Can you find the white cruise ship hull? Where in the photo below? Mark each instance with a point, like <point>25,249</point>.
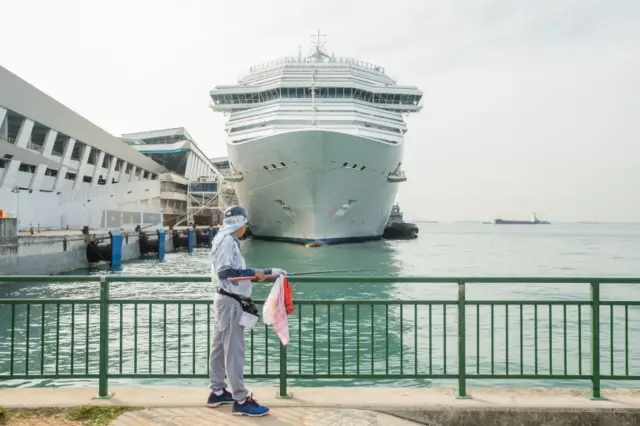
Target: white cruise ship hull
<point>313,197</point>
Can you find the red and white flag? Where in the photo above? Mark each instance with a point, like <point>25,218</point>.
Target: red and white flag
<point>276,308</point>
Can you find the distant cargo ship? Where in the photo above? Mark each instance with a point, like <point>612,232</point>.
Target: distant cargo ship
<point>533,221</point>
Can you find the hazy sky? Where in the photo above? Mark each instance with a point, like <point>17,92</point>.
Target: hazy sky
<point>530,105</point>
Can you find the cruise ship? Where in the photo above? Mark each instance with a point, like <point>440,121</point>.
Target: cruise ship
<point>315,146</point>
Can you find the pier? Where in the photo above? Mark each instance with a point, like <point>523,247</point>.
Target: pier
<point>395,351</point>
<point>50,252</point>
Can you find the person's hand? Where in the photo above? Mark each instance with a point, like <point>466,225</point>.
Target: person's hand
<point>278,271</point>
<point>260,275</point>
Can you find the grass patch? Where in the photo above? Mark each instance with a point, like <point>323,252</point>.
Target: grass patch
<point>90,415</point>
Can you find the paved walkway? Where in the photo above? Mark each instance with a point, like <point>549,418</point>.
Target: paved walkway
<point>348,406</point>
<point>278,416</point>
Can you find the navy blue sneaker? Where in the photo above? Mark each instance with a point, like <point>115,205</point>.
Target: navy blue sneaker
<point>250,408</point>
<point>216,401</point>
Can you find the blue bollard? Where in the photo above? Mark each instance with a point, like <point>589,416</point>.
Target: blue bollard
<point>190,240</point>
<point>162,244</point>
<point>116,249</point>
<point>210,243</point>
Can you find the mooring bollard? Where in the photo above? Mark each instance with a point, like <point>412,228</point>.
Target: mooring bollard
<point>162,244</point>
<point>210,241</point>
<point>190,240</point>
<point>116,249</point>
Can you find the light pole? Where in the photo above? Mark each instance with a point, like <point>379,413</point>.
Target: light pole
<point>16,190</point>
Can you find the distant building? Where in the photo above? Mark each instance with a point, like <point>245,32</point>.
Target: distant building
<point>191,188</point>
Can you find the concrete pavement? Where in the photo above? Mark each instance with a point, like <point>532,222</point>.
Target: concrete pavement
<point>353,406</point>
<point>279,416</point>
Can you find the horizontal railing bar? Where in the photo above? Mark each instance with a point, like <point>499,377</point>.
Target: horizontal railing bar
<point>296,302</point>
<point>49,279</point>
<point>326,376</point>
<point>616,377</point>
<point>186,376</point>
<point>49,302</point>
<point>529,376</point>
<point>319,302</point>
<point>527,302</point>
<point>381,376</point>
<point>115,278</point>
<point>47,376</point>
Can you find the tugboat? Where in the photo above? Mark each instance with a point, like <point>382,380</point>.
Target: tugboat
<point>397,228</point>
<point>534,221</point>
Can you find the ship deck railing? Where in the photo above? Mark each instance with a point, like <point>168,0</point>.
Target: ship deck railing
<point>548,339</point>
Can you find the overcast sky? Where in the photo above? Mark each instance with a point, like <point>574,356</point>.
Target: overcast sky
<point>530,105</point>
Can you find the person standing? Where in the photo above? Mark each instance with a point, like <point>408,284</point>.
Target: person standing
<point>228,346</point>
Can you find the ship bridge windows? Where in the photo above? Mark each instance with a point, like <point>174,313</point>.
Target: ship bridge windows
<point>378,99</point>
<point>366,124</point>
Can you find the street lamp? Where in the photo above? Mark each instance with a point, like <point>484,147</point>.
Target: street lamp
<point>16,190</point>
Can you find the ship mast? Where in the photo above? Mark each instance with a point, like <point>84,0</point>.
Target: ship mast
<point>313,98</point>
<point>318,56</point>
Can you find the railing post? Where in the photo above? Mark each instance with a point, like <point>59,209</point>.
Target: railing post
<point>103,369</point>
<point>595,341</point>
<point>283,374</point>
<point>462,342</point>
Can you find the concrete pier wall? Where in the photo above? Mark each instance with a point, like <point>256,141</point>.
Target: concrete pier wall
<point>58,252</point>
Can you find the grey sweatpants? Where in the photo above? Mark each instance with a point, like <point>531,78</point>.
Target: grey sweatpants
<point>227,349</point>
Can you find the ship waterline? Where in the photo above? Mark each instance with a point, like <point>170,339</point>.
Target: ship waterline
<point>316,185</point>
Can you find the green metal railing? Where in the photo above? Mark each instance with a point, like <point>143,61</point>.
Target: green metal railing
<point>457,338</point>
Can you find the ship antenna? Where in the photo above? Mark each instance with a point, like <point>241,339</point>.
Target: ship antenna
<point>318,44</point>
<point>319,52</point>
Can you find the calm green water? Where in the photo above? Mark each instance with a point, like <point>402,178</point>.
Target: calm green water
<point>441,250</point>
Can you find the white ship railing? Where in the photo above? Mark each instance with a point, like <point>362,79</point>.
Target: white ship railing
<point>311,61</point>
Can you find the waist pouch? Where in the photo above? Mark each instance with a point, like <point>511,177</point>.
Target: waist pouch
<point>246,303</point>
